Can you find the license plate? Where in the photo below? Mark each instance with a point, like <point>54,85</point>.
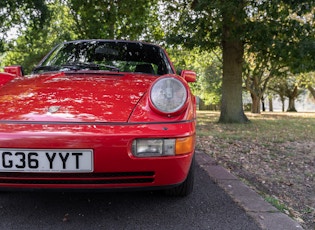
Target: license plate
<point>46,160</point>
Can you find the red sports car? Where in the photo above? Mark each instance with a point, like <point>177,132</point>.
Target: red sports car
<point>98,114</point>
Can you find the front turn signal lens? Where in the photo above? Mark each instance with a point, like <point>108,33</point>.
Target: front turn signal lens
<point>184,145</point>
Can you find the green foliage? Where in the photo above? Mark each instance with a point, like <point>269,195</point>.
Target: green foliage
<point>276,203</point>
<point>33,44</point>
<point>276,33</point>
<point>290,86</point>
<point>208,67</point>
<point>211,80</point>
<point>73,19</point>
<point>1,46</point>
<point>22,13</point>
<point>125,19</point>
<point>282,30</point>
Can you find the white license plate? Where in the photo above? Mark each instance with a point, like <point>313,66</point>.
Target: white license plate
<point>46,160</point>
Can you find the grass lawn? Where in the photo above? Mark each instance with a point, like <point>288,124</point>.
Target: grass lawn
<point>270,127</point>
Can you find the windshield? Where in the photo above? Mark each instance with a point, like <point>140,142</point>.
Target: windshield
<point>120,56</point>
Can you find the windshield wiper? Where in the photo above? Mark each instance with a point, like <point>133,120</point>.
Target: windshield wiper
<point>89,66</point>
<point>114,68</point>
<point>74,66</point>
<point>46,68</point>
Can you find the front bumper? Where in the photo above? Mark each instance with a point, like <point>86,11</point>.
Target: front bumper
<point>115,167</point>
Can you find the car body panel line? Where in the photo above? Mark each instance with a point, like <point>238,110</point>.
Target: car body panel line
<point>103,123</point>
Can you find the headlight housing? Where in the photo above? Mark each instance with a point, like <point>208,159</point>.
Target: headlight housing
<point>153,147</point>
<point>161,147</point>
<point>168,95</point>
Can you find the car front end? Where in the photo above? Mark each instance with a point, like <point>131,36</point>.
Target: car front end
<point>80,128</point>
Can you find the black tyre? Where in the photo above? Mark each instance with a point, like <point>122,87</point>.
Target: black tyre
<point>185,188</point>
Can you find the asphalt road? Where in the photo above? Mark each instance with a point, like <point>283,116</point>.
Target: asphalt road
<point>208,207</point>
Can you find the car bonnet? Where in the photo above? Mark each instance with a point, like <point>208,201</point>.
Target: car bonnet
<point>84,97</point>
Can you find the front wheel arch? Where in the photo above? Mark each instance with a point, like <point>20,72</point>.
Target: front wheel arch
<point>186,187</point>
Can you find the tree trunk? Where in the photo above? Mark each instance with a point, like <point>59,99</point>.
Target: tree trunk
<point>255,103</point>
<point>291,107</point>
<point>263,104</point>
<point>312,90</point>
<point>233,51</point>
<point>282,101</point>
<point>232,103</point>
<point>292,96</point>
<point>270,104</point>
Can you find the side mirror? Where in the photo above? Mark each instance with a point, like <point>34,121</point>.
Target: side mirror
<point>188,75</point>
<point>5,78</point>
<point>16,70</point>
<point>10,72</point>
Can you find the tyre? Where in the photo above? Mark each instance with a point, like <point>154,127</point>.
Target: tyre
<point>185,188</point>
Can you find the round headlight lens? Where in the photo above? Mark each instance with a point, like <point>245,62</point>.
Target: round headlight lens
<point>168,95</point>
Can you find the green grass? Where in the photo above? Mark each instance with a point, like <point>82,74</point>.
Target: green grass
<point>276,203</point>
<point>270,127</point>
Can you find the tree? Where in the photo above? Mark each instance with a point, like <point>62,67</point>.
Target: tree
<point>308,81</point>
<point>124,19</point>
<point>236,26</point>
<point>72,19</point>
<point>289,86</point>
<point>210,81</point>
<point>258,71</point>
<point>208,67</point>
<point>17,15</point>
<point>312,90</point>
<point>21,14</point>
<point>34,43</point>
<point>233,18</point>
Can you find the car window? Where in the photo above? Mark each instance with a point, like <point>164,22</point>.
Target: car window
<point>108,55</point>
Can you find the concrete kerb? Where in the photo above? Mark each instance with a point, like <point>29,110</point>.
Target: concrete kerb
<point>267,216</point>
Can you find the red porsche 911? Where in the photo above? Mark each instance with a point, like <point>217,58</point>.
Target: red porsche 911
<point>98,114</point>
